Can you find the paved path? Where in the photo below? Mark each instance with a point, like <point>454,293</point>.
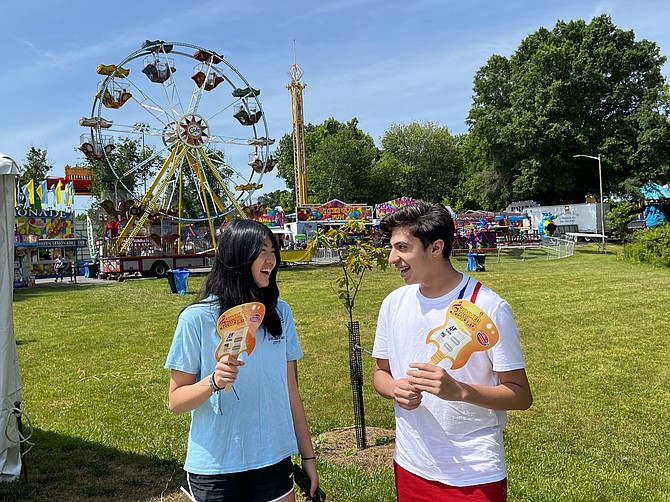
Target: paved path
<point>49,282</point>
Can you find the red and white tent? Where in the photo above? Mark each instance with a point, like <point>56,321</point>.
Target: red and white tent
<point>10,377</point>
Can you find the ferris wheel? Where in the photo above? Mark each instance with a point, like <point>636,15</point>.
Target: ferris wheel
<point>202,124</point>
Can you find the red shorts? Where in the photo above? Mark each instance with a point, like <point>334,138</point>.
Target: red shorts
<point>413,488</point>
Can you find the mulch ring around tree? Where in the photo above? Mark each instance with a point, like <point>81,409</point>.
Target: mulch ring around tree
<point>339,447</point>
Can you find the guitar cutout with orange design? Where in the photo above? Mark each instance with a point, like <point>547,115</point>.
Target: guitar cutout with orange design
<point>466,329</point>
<point>237,328</point>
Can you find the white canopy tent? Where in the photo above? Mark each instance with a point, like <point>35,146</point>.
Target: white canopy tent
<point>10,377</point>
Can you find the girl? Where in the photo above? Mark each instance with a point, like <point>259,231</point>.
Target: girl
<point>240,443</point>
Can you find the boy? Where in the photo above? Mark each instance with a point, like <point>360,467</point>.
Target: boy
<point>449,423</point>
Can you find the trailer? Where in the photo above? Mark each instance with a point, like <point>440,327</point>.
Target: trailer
<point>116,267</point>
<point>151,257</point>
<point>575,218</point>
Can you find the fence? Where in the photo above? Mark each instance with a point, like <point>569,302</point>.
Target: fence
<point>325,256</point>
<point>550,248</point>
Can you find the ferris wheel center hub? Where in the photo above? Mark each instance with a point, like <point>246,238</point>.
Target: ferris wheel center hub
<point>192,130</point>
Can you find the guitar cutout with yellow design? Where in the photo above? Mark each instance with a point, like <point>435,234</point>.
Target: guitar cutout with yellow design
<point>237,328</point>
<point>466,329</point>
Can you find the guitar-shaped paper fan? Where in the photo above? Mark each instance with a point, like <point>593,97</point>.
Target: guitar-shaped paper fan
<point>466,329</point>
<point>237,328</point>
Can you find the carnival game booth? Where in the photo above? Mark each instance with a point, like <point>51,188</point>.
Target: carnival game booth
<point>474,233</point>
<point>332,214</point>
<point>391,206</point>
<point>314,218</point>
<point>10,377</point>
<point>511,228</point>
<point>290,237</point>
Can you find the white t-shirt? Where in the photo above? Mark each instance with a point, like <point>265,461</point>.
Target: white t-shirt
<point>456,443</point>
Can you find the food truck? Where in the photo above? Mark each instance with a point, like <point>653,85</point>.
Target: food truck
<point>41,235</point>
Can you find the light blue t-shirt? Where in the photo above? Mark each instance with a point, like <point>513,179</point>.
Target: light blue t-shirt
<point>230,435</point>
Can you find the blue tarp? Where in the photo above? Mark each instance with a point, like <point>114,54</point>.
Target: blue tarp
<point>512,219</point>
<point>655,214</point>
<point>655,191</point>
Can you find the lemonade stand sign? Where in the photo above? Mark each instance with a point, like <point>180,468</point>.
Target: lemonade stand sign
<point>46,223</point>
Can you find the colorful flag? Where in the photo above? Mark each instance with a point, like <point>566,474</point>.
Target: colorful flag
<point>38,197</point>
<point>59,193</point>
<point>45,192</point>
<point>31,191</point>
<point>26,196</point>
<point>69,194</point>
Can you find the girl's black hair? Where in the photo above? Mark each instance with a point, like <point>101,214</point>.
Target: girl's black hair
<point>230,279</point>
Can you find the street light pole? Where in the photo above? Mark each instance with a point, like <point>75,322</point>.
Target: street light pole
<point>602,201</point>
<point>143,128</point>
<point>600,179</point>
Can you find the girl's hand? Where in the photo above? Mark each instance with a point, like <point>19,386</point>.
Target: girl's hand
<point>227,370</point>
<point>310,468</point>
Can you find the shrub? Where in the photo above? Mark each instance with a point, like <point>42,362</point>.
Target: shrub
<point>651,245</point>
<point>620,214</point>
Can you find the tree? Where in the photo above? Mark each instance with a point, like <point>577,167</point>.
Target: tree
<point>339,159</point>
<point>578,89</point>
<point>283,198</point>
<point>423,159</point>
<point>356,257</point>
<point>36,167</point>
<point>133,167</point>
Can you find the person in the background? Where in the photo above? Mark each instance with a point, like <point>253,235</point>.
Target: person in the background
<point>73,271</point>
<point>59,268</point>
<point>449,423</point>
<point>240,443</point>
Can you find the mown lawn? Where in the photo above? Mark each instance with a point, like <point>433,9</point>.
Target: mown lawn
<point>594,330</point>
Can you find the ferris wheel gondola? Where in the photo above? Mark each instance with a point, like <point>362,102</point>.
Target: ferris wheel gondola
<point>198,116</point>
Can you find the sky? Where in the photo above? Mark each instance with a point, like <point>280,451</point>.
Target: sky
<point>382,62</point>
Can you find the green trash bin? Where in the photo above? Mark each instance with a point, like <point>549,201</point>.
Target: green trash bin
<point>480,262</point>
<point>170,277</point>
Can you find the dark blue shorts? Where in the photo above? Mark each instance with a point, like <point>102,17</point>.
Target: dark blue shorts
<point>266,484</point>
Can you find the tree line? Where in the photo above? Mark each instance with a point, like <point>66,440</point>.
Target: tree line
<point>577,89</point>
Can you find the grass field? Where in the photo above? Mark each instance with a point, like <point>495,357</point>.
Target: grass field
<point>595,332</point>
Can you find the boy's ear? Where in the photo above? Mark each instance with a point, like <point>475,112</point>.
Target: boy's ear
<point>437,247</point>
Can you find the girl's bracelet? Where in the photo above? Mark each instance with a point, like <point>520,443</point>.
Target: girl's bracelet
<point>308,458</point>
<point>212,384</point>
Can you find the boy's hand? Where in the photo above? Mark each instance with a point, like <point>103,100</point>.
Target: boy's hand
<point>406,395</point>
<point>427,377</point>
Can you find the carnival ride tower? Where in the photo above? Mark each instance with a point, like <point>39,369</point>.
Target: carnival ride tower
<point>296,87</point>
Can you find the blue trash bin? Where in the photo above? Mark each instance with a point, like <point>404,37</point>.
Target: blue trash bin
<point>181,279</point>
<point>471,262</point>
